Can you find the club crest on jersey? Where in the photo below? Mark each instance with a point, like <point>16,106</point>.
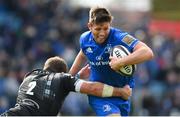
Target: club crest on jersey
<point>128,39</point>
<point>89,50</point>
<point>99,58</point>
<point>106,108</point>
<point>108,48</point>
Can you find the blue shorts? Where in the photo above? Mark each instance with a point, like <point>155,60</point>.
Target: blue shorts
<point>107,106</point>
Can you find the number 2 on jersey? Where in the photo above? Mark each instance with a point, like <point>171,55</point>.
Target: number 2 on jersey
<point>31,87</point>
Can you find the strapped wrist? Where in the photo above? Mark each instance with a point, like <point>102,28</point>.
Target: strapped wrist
<point>107,91</point>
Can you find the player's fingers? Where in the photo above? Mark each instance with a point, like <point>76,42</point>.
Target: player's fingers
<point>127,86</point>
<point>128,89</point>
<point>88,66</point>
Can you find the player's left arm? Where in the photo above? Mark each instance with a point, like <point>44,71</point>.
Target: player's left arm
<point>141,53</point>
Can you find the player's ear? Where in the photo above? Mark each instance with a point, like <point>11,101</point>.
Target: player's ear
<point>89,25</point>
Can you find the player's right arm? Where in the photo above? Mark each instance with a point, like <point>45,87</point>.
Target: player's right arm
<point>80,60</point>
<point>102,90</point>
<point>97,88</point>
<point>72,83</point>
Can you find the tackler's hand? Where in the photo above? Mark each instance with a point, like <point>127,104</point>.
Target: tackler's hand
<point>126,92</point>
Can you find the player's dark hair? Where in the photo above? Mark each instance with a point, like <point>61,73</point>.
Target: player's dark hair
<point>56,64</point>
<point>99,15</point>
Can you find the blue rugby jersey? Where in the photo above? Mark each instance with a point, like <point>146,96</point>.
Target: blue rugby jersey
<point>98,56</point>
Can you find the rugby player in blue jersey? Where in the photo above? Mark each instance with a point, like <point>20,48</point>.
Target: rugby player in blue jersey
<point>96,45</point>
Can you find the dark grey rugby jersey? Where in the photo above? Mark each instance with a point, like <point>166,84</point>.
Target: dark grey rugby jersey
<point>48,90</point>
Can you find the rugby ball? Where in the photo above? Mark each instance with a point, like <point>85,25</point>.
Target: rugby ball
<point>121,51</point>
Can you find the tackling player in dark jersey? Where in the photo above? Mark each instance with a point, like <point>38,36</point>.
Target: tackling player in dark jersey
<point>43,91</point>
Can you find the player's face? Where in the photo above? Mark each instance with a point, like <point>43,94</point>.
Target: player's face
<point>100,31</point>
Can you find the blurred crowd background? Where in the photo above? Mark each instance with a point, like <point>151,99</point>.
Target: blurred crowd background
<point>33,30</point>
